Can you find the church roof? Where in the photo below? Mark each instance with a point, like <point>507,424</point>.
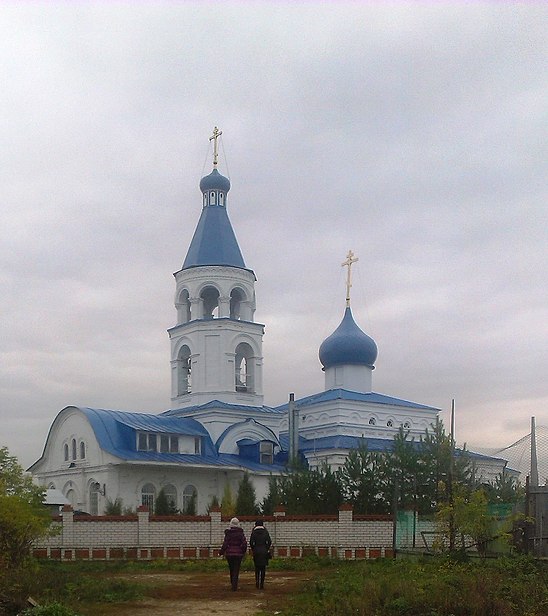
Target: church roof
<point>115,433</point>
<point>214,241</point>
<point>344,394</point>
<point>217,404</point>
<point>348,344</point>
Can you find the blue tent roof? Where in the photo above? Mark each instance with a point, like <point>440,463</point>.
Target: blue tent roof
<point>214,241</point>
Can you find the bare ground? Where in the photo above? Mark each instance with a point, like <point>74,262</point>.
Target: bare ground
<point>202,594</point>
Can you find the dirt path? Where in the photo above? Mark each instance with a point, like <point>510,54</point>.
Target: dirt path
<point>202,594</point>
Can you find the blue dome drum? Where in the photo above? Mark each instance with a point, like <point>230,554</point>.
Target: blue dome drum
<point>348,344</point>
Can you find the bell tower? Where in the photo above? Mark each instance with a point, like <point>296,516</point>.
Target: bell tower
<point>216,346</point>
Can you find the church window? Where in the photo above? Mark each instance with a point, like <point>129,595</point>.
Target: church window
<point>147,441</point>
<point>74,449</point>
<point>183,371</point>
<point>389,423</point>
<point>221,198</point>
<point>169,443</point>
<point>66,452</point>
<point>266,452</point>
<point>212,198</point>
<point>372,421</point>
<point>197,445</point>
<point>243,366</point>
<point>236,298</point>
<point>210,302</point>
<point>205,200</point>
<point>148,493</point>
<point>407,425</point>
<point>82,450</point>
<point>190,496</point>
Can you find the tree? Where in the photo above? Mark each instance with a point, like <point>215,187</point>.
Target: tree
<point>272,499</point>
<point>362,481</point>
<point>165,505</point>
<point>23,517</point>
<point>113,507</point>
<point>466,515</point>
<point>227,503</point>
<point>245,499</point>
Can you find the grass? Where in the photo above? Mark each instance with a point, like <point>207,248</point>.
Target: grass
<point>504,587</point>
<point>437,587</point>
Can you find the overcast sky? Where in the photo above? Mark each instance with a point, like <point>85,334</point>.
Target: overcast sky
<point>413,134</point>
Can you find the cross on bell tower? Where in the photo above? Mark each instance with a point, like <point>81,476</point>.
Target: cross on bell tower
<point>216,134</point>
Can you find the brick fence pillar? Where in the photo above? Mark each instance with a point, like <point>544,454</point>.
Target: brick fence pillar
<point>345,531</point>
<point>143,526</point>
<point>215,530</point>
<point>279,512</point>
<point>67,533</point>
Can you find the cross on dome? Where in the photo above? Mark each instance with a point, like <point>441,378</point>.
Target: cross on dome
<point>350,258</point>
<point>216,134</point>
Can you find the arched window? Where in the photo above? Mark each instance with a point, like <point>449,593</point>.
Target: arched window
<point>66,452</point>
<point>190,498</point>
<point>372,421</point>
<point>148,493</point>
<point>171,494</point>
<point>210,299</point>
<point>183,307</point>
<point>236,298</point>
<point>205,199</point>
<point>243,368</point>
<point>71,497</point>
<point>212,198</point>
<point>74,449</point>
<point>82,450</point>
<point>221,198</point>
<point>389,423</point>
<point>183,371</point>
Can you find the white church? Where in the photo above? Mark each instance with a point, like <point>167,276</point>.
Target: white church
<point>219,427</point>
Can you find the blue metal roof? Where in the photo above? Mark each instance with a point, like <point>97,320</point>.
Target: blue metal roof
<point>344,394</point>
<point>340,442</point>
<point>115,430</point>
<point>214,241</point>
<point>217,404</point>
<point>348,344</point>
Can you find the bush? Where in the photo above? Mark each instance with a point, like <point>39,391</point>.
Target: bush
<point>51,609</point>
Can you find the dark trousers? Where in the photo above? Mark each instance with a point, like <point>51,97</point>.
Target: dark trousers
<point>260,572</point>
<point>234,563</point>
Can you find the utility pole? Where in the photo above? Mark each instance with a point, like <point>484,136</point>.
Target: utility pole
<point>450,481</point>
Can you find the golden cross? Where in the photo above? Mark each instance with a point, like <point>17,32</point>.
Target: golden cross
<point>350,258</point>
<point>216,134</point>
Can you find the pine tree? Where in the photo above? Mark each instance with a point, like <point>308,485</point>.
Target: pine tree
<point>227,504</point>
<point>245,500</point>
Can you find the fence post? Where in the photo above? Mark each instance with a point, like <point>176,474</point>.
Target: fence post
<point>143,526</point>
<point>346,517</point>
<point>67,515</point>
<point>215,530</point>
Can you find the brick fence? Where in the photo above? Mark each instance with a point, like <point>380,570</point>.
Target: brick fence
<point>147,537</point>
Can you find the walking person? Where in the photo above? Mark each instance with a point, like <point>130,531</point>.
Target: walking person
<point>260,543</point>
<point>234,548</point>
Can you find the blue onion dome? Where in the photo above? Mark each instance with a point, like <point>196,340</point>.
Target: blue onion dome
<point>214,181</point>
<point>348,345</point>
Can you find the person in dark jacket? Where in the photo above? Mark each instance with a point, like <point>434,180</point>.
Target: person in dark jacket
<point>260,543</point>
<point>234,548</point>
